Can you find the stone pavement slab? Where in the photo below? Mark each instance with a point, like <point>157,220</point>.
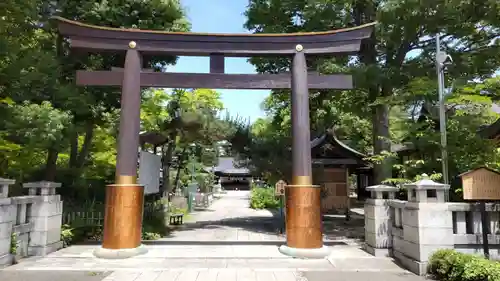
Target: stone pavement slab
<point>209,274</point>
<point>230,219</point>
<point>206,275</point>
<point>359,276</point>
<point>52,275</point>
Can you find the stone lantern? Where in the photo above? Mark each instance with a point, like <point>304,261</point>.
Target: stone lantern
<point>427,191</point>
<point>382,191</point>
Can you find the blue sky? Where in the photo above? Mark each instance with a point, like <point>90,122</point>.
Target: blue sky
<point>223,16</point>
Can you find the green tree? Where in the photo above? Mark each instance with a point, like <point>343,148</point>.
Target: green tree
<point>400,50</point>
<point>37,74</point>
<point>190,123</point>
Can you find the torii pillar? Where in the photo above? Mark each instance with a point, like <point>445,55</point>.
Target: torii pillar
<point>304,237</point>
<point>125,198</point>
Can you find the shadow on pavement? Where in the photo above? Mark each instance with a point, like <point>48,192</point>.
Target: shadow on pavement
<point>334,227</point>
<point>230,243</point>
<point>269,225</point>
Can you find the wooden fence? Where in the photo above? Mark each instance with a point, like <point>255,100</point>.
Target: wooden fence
<point>95,215</point>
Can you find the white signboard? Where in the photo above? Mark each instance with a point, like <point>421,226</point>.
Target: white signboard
<point>149,172</point>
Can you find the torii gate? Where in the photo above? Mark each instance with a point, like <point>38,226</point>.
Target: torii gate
<point>125,198</point>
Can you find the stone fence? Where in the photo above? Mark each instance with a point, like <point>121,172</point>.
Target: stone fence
<point>29,225</point>
<point>410,231</point>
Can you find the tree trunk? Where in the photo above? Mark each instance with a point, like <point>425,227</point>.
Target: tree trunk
<point>365,11</point>
<point>87,143</point>
<point>51,164</point>
<point>73,141</point>
<point>167,159</point>
<point>179,167</point>
<point>381,142</point>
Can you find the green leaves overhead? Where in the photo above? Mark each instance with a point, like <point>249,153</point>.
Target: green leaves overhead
<point>37,124</point>
<point>51,116</point>
<point>394,76</point>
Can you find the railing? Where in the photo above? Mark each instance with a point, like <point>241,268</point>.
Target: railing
<point>465,220</point>
<point>396,213</point>
<point>467,227</point>
<point>29,225</point>
<point>22,222</point>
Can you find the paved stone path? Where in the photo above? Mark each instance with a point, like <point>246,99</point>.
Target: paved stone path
<point>227,242</point>
<point>230,219</point>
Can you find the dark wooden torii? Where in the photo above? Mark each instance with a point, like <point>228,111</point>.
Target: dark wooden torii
<point>124,199</point>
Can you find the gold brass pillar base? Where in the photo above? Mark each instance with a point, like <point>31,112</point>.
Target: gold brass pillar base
<point>316,253</point>
<point>104,253</point>
<point>303,215</point>
<point>123,216</point>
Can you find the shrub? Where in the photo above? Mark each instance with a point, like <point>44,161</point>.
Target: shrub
<point>263,198</point>
<point>450,265</point>
<point>66,235</point>
<point>150,236</point>
<point>13,243</point>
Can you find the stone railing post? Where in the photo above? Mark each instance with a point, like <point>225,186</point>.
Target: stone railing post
<point>46,216</point>
<point>4,187</point>
<point>427,224</point>
<point>378,220</point>
<point>7,220</point>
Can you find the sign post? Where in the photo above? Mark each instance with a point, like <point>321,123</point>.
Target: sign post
<point>279,190</point>
<point>482,185</point>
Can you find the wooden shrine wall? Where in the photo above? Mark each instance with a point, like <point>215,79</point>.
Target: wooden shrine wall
<point>334,189</point>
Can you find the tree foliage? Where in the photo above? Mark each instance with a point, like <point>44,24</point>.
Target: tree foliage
<point>54,130</point>
<point>394,71</point>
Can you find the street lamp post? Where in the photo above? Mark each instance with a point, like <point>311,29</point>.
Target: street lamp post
<point>441,59</point>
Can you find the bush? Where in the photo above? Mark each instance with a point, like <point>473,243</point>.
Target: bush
<point>150,236</point>
<point>450,265</point>
<point>74,234</point>
<point>263,198</point>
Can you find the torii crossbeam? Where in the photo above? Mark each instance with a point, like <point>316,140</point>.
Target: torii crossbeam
<point>125,198</point>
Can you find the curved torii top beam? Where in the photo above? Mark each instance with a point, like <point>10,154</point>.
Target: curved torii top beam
<point>91,37</point>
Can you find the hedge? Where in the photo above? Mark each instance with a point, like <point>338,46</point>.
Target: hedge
<point>450,265</point>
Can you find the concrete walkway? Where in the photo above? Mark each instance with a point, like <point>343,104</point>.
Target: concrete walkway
<point>228,242</point>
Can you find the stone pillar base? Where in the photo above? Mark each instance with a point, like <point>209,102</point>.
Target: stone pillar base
<point>45,250</point>
<point>104,253</point>
<point>377,252</point>
<point>6,260</point>
<point>417,267</point>
<point>302,253</point>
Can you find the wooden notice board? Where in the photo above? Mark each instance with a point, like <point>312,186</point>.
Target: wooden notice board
<point>279,188</point>
<point>335,189</point>
<point>481,184</point>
